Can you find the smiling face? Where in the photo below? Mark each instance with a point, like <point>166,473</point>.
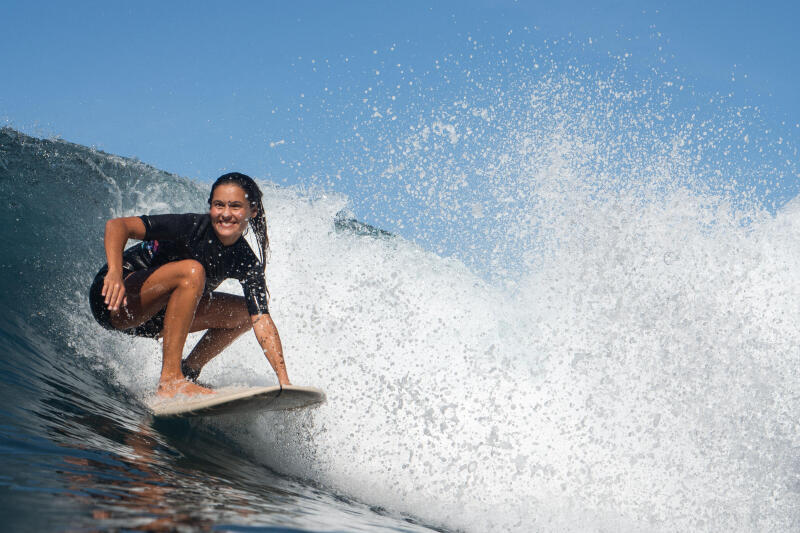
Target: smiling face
<point>230,212</point>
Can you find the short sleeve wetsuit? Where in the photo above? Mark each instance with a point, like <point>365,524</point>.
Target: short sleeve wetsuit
<point>190,236</point>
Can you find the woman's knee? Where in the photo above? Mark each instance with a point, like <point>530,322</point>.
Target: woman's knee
<point>192,274</point>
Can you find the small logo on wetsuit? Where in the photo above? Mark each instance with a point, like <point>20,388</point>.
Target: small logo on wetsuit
<point>150,246</point>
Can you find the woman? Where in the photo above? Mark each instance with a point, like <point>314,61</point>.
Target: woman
<point>164,286</point>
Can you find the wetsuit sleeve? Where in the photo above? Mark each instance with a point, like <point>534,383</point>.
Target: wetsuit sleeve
<point>255,291</point>
<point>169,227</point>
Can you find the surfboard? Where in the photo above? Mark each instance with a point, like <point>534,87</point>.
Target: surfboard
<point>229,400</point>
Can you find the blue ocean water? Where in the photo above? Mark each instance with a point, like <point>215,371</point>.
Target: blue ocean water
<point>590,325</point>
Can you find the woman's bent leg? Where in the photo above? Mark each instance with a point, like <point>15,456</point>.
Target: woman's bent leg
<point>180,313</point>
<point>225,317</point>
<point>179,285</point>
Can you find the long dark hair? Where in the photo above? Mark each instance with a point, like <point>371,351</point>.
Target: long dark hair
<point>253,194</point>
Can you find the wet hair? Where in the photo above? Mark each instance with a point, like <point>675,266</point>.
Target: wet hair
<point>253,194</point>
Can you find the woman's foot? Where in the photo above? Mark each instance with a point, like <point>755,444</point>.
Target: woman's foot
<point>190,373</point>
<point>169,389</point>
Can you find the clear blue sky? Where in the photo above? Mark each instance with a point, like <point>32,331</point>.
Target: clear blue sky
<point>197,88</point>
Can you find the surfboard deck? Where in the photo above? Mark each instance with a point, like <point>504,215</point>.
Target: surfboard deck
<point>228,400</point>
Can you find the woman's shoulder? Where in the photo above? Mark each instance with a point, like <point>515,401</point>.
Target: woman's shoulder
<point>177,218</point>
<point>174,225</point>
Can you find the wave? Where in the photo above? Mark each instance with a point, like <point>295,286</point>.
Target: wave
<point>638,375</point>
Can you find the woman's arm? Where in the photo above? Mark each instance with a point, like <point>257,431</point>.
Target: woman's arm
<point>118,231</point>
<point>270,341</point>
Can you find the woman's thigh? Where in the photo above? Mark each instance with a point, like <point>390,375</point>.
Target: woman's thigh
<point>148,291</point>
<point>220,310</point>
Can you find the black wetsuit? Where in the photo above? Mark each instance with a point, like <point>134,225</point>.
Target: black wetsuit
<point>173,238</point>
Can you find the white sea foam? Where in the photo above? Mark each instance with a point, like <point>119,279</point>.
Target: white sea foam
<point>641,377</point>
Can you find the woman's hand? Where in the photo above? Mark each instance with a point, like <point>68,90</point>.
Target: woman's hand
<point>114,290</point>
<point>118,231</point>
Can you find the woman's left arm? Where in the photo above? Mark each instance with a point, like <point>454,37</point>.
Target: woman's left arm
<point>270,341</point>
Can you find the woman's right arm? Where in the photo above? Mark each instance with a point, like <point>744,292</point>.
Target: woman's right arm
<point>118,231</point>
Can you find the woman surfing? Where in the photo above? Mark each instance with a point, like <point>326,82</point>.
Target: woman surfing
<point>164,286</point>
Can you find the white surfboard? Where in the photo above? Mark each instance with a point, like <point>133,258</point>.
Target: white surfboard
<point>228,400</point>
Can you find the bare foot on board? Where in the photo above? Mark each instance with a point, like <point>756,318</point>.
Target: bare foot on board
<point>168,389</point>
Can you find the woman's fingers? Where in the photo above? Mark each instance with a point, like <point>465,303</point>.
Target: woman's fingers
<point>108,289</point>
<point>114,292</point>
<point>119,296</point>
